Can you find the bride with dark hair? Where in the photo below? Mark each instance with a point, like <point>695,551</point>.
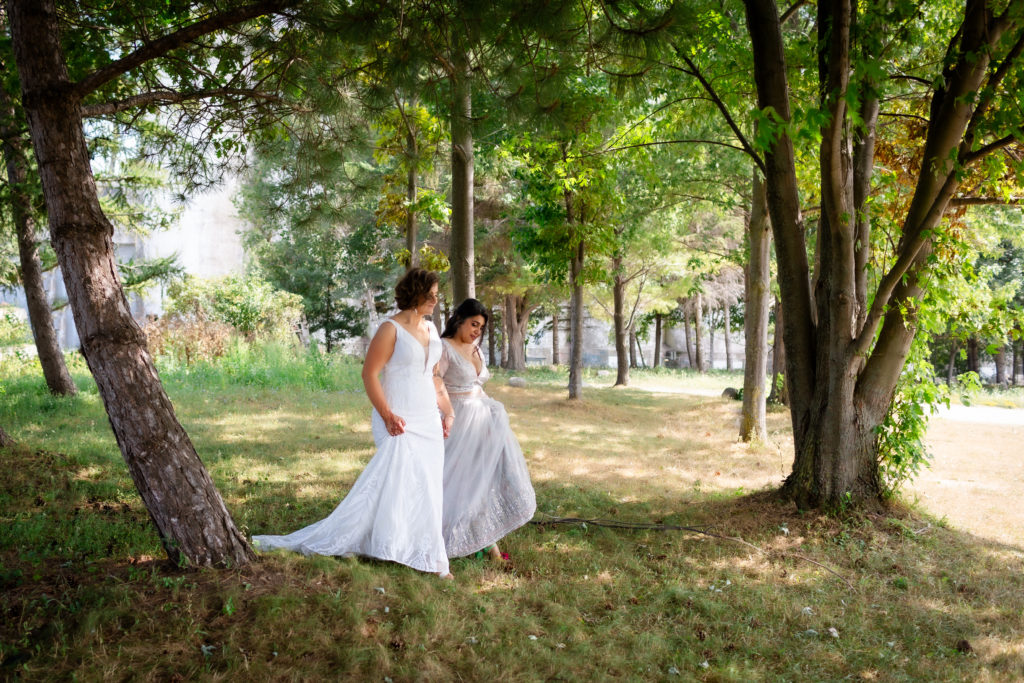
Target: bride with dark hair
<point>393,511</point>
<point>487,489</point>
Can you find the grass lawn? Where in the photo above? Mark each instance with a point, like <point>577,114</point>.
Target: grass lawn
<point>774,595</point>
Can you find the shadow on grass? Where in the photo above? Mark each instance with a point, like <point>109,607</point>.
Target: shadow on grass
<point>83,596</point>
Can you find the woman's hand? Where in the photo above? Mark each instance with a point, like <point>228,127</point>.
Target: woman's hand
<point>394,423</point>
<point>446,424</point>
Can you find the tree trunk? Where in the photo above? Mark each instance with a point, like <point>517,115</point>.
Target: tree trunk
<point>954,347</point>
<point>689,341</point>
<point>1000,359</point>
<point>1014,363</point>
<point>492,351</point>
<point>183,502</point>
<point>5,440</point>
<point>51,358</point>
<point>757,283</point>
<point>622,361</point>
<point>657,340</point>
<point>698,332</point>
<point>575,304</point>
<point>462,249</point>
<point>635,340</point>
<point>726,332</point>
<point>972,355</point>
<point>778,393</point>
<point>517,318</point>
<point>711,339</point>
<point>554,336</point>
<point>843,363</point>
<point>632,347</point>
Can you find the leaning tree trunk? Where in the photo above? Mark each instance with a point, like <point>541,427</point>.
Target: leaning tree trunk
<point>5,440</point>
<point>183,502</point>
<point>755,320</point>
<point>634,344</point>
<point>462,250</point>
<point>51,358</point>
<point>657,340</point>
<point>622,355</point>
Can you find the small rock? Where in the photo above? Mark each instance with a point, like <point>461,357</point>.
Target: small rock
<point>833,632</point>
<point>704,664</point>
<point>532,637</point>
<point>379,589</point>
<point>672,671</point>
<point>807,612</point>
<point>518,382</point>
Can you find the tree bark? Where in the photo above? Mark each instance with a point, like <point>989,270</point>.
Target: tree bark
<point>623,357</point>
<point>657,340</point>
<point>517,319</point>
<point>757,286</point>
<point>1000,359</point>
<point>689,341</point>
<point>51,358</point>
<point>462,249</point>
<point>972,355</point>
<point>189,514</point>
<point>5,440</point>
<point>698,332</point>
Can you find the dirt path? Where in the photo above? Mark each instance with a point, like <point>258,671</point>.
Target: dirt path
<point>976,480</point>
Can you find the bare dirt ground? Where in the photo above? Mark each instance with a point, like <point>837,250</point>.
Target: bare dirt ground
<point>976,479</point>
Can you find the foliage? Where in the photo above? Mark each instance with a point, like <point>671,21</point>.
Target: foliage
<point>13,330</point>
<point>248,304</point>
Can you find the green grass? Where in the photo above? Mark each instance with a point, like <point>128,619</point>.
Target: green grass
<point>86,592</point>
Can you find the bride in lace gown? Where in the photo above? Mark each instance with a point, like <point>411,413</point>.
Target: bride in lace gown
<point>487,489</point>
<point>393,511</point>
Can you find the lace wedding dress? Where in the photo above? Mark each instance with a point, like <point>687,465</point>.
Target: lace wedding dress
<point>487,489</point>
<point>393,511</point>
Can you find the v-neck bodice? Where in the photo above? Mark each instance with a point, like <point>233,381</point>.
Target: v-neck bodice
<point>459,373</point>
<point>408,374</point>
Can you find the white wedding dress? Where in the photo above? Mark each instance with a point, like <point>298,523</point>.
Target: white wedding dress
<point>487,489</point>
<point>393,511</point>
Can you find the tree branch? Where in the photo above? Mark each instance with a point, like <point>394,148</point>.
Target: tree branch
<point>695,72</point>
<point>971,157</point>
<point>182,36</point>
<point>986,201</point>
<point>170,97</point>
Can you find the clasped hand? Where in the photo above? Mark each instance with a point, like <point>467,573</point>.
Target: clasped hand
<point>395,424</point>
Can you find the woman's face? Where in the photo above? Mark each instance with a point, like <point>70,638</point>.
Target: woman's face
<point>426,306</point>
<point>470,329</point>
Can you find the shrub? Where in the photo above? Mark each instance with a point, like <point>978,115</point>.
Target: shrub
<point>248,304</point>
<point>13,330</point>
<point>204,317</point>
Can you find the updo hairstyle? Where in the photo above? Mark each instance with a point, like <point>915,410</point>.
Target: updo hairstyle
<point>414,288</point>
<point>470,308</point>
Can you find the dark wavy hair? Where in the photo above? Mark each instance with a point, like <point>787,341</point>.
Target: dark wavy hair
<point>470,308</point>
<point>414,287</point>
